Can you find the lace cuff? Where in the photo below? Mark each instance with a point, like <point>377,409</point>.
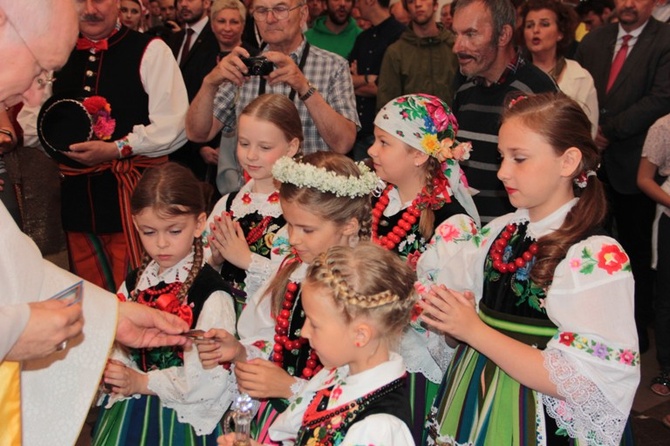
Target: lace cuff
<point>297,387</point>
<point>585,413</point>
<point>259,270</point>
<point>425,353</point>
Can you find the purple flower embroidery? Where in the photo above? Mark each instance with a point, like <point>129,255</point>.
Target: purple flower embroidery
<point>600,351</point>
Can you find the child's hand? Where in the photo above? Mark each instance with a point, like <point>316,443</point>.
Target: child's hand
<point>123,380</point>
<point>263,379</point>
<point>229,440</point>
<point>218,347</point>
<point>229,239</point>
<point>216,258</point>
<point>449,311</point>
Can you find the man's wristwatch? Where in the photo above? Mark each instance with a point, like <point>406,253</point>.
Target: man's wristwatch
<point>308,94</point>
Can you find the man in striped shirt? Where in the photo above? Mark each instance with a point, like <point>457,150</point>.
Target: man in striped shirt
<point>491,70</point>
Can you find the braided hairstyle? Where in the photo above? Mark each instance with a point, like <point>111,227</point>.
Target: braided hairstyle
<point>563,124</point>
<point>171,190</point>
<point>432,168</point>
<point>367,281</point>
<point>325,205</point>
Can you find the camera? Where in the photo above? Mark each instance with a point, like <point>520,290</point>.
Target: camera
<point>258,66</point>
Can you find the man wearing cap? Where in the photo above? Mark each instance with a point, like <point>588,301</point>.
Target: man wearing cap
<point>139,78</point>
<point>316,80</point>
<point>37,37</point>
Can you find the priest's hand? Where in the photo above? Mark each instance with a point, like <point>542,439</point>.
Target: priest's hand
<point>140,326</point>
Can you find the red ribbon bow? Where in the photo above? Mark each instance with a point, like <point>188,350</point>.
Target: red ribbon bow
<point>86,44</point>
<point>169,303</point>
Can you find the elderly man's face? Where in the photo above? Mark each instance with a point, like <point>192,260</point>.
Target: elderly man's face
<point>280,31</point>
<point>475,47</point>
<point>97,18</point>
<point>35,54</point>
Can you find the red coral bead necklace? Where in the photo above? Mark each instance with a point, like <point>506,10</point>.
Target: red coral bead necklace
<point>498,250</point>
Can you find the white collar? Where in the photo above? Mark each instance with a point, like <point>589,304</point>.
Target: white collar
<point>634,33</point>
<point>548,224</point>
<point>177,273</point>
<point>259,203</point>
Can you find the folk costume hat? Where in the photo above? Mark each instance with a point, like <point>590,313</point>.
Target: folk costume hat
<point>426,123</point>
<point>72,118</point>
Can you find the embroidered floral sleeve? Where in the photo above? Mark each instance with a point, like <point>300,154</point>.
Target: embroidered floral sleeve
<point>449,237</point>
<point>591,303</point>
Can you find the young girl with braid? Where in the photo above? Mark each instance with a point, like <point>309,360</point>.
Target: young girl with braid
<point>243,224</point>
<point>541,300</point>
<point>357,303</point>
<point>325,198</point>
<point>163,395</point>
<point>415,152</point>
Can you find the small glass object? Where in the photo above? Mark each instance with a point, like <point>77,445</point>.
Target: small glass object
<point>241,413</point>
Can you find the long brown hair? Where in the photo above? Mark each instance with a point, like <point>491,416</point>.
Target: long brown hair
<point>171,190</point>
<point>325,205</point>
<point>563,124</point>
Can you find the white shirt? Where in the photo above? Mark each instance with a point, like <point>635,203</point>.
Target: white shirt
<point>197,28</point>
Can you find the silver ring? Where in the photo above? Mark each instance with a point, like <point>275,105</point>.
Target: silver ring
<point>61,346</point>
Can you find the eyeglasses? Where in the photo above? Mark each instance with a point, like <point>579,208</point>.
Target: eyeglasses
<point>279,12</point>
<point>44,77</point>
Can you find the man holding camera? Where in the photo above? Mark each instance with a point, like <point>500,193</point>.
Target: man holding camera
<point>316,80</point>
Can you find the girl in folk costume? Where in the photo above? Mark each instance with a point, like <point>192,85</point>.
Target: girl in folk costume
<point>416,153</point>
<point>362,298</point>
<point>243,224</point>
<point>541,300</point>
<point>325,198</point>
<point>163,395</point>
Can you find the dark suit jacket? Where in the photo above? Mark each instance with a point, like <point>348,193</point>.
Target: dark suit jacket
<point>640,95</point>
<point>200,61</point>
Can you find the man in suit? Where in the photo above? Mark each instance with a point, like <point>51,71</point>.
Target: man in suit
<point>195,62</point>
<point>630,102</point>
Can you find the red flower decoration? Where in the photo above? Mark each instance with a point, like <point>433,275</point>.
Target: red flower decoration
<point>413,259</point>
<point>169,303</point>
<point>416,312</point>
<point>274,197</point>
<point>611,258</point>
<point>96,104</point>
<point>259,344</point>
<point>567,338</point>
<point>246,198</point>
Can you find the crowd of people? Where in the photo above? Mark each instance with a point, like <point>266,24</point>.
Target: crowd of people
<point>402,222</point>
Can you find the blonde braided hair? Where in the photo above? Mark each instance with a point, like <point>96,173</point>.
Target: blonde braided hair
<point>367,281</point>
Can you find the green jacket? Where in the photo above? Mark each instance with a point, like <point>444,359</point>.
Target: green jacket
<point>416,64</point>
<point>342,43</point>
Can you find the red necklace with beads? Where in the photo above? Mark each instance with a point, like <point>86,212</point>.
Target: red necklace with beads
<point>498,249</point>
<point>282,341</point>
<point>434,200</point>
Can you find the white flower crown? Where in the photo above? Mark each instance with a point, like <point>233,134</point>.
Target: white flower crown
<point>287,170</point>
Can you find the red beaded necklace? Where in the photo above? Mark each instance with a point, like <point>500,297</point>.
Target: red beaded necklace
<point>282,341</point>
<point>410,216</point>
<point>498,249</point>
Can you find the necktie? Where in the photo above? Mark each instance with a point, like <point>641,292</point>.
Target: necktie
<point>618,61</point>
<point>187,46</point>
<point>85,44</point>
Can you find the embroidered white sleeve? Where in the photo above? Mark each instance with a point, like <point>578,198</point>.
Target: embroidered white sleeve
<point>585,413</point>
<point>379,429</point>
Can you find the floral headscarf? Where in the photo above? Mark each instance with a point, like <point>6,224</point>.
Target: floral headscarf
<point>425,123</point>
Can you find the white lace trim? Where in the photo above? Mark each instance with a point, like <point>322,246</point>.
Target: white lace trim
<point>259,203</point>
<point>424,353</point>
<point>260,269</point>
<point>297,386</point>
<point>585,413</point>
